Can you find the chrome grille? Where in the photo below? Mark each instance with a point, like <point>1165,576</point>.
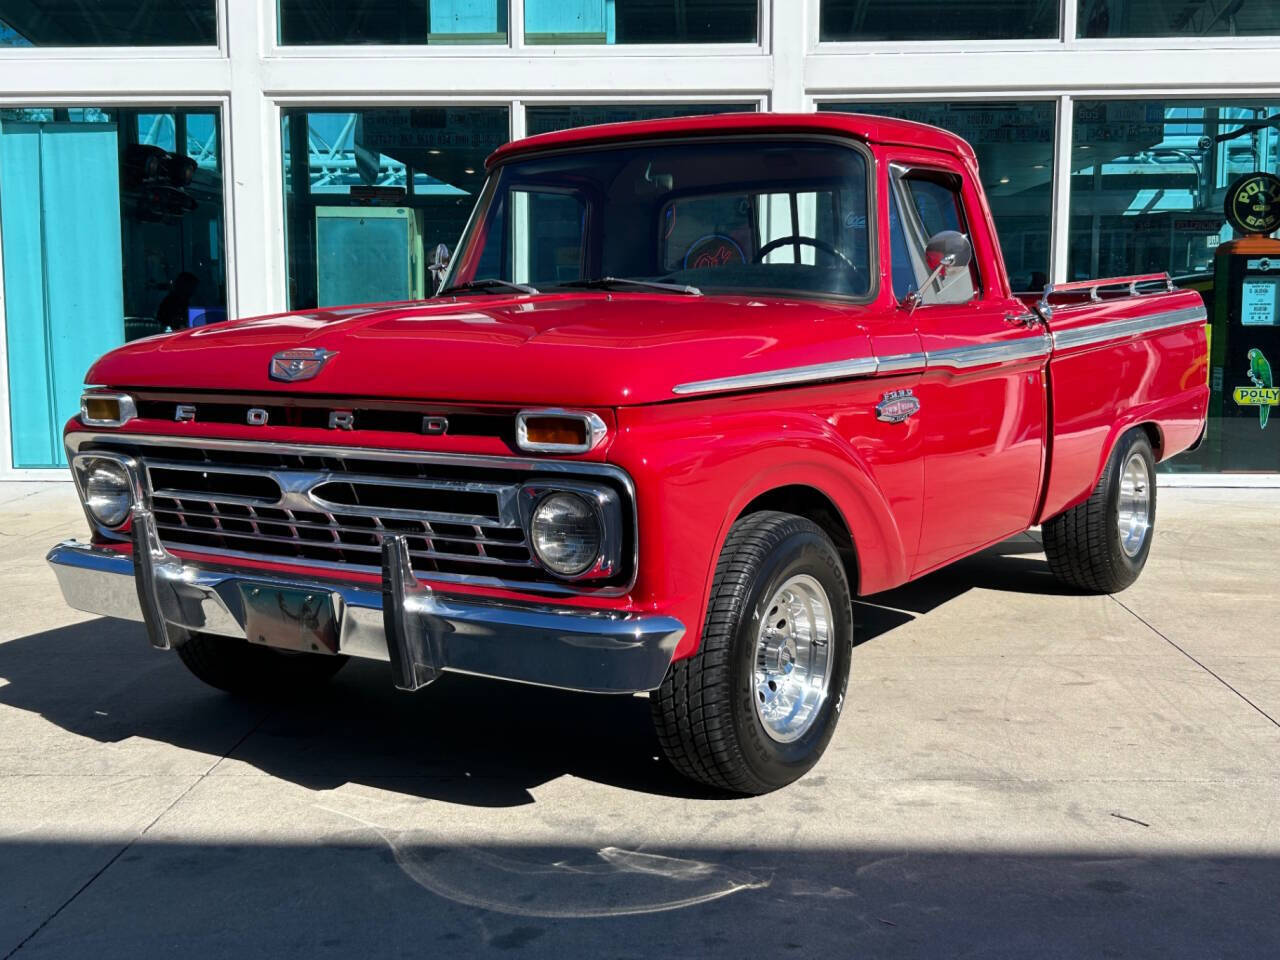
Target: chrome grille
<point>331,506</point>
<point>331,514</point>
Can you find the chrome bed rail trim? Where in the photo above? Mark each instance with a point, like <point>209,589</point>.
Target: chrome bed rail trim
<point>1107,331</point>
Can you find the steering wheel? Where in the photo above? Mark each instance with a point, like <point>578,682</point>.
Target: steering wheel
<point>817,244</point>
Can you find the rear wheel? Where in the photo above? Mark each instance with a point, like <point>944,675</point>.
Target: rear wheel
<point>1102,544</point>
<point>757,705</point>
<point>246,669</point>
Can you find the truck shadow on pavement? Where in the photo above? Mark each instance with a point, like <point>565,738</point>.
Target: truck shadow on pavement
<point>1016,565</point>
<point>461,740</point>
<point>418,895</point>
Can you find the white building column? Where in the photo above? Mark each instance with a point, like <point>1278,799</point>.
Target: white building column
<point>255,218</point>
<point>788,44</point>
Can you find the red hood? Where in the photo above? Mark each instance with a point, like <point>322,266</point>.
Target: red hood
<point>592,349</point>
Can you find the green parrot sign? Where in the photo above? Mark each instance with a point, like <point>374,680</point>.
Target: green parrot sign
<point>1263,394</point>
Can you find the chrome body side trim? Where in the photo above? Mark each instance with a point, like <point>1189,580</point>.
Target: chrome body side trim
<point>899,363</point>
<point>786,376</point>
<point>598,651</point>
<point>1034,347</point>
<point>987,354</point>
<point>1022,348</point>
<point>1097,333</point>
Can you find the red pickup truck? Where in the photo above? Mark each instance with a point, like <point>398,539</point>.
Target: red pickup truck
<point>687,386</point>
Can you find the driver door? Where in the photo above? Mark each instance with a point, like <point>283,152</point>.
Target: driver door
<point>982,396</point>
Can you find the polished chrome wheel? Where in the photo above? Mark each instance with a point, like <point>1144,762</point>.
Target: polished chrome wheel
<point>793,650</point>
<point>1133,513</point>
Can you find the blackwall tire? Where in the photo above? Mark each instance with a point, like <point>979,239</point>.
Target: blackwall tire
<point>241,668</point>
<point>736,715</point>
<point>1102,545</point>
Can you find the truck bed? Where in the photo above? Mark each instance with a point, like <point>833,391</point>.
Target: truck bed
<point>1126,351</point>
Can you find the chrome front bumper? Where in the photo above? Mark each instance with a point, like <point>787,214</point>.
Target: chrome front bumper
<point>420,631</point>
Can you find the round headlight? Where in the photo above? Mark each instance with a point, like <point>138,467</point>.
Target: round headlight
<point>107,492</point>
<point>566,534</point>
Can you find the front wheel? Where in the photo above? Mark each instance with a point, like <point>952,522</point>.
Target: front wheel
<point>1102,544</point>
<point>757,705</point>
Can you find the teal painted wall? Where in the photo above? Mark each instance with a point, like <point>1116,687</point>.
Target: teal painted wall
<point>60,216</point>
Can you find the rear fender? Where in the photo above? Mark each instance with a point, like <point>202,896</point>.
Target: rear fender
<point>1170,430</point>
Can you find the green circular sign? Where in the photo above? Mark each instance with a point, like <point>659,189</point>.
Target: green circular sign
<point>1253,203</point>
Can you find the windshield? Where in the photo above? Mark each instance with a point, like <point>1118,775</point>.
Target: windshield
<point>736,215</point>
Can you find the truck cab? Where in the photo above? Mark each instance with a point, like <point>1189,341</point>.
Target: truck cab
<point>685,388</point>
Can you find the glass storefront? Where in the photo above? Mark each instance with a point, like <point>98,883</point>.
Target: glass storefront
<point>641,21</point>
<point>1177,18</point>
<point>393,21</point>
<point>113,222</point>
<point>561,116</point>
<point>113,229</point>
<point>1148,180</point>
<point>1014,144</point>
<point>103,23</point>
<point>871,20</point>
<point>1149,184</point>
<point>369,194</point>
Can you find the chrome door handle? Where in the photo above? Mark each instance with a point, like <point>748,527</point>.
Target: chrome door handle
<point>1027,319</point>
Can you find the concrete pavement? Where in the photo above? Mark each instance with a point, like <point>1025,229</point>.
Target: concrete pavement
<point>1018,771</point>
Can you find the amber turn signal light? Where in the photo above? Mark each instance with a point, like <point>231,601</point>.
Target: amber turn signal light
<point>561,430</point>
<point>107,409</point>
<point>558,431</point>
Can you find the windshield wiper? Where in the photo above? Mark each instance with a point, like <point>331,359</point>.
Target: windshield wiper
<point>487,284</point>
<point>603,283</point>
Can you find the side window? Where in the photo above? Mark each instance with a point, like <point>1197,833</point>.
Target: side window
<point>921,204</point>
<point>904,272</point>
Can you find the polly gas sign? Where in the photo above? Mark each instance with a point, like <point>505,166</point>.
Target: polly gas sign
<point>1263,394</point>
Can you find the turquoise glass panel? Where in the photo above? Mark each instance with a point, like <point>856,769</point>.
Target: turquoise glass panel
<point>30,404</point>
<point>60,195</point>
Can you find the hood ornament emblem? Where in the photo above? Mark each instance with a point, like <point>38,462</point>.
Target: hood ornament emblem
<point>299,364</point>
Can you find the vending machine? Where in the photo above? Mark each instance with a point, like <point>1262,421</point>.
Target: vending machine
<point>1244,351</point>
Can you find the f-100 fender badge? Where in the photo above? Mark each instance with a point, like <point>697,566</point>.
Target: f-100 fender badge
<point>301,364</point>
<point>897,406</point>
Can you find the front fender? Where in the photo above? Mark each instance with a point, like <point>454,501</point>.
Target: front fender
<point>698,464</point>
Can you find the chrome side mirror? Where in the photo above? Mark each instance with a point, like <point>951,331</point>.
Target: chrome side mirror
<point>439,263</point>
<point>945,249</point>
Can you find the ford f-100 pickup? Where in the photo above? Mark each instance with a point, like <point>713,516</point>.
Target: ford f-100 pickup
<point>684,389</point>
